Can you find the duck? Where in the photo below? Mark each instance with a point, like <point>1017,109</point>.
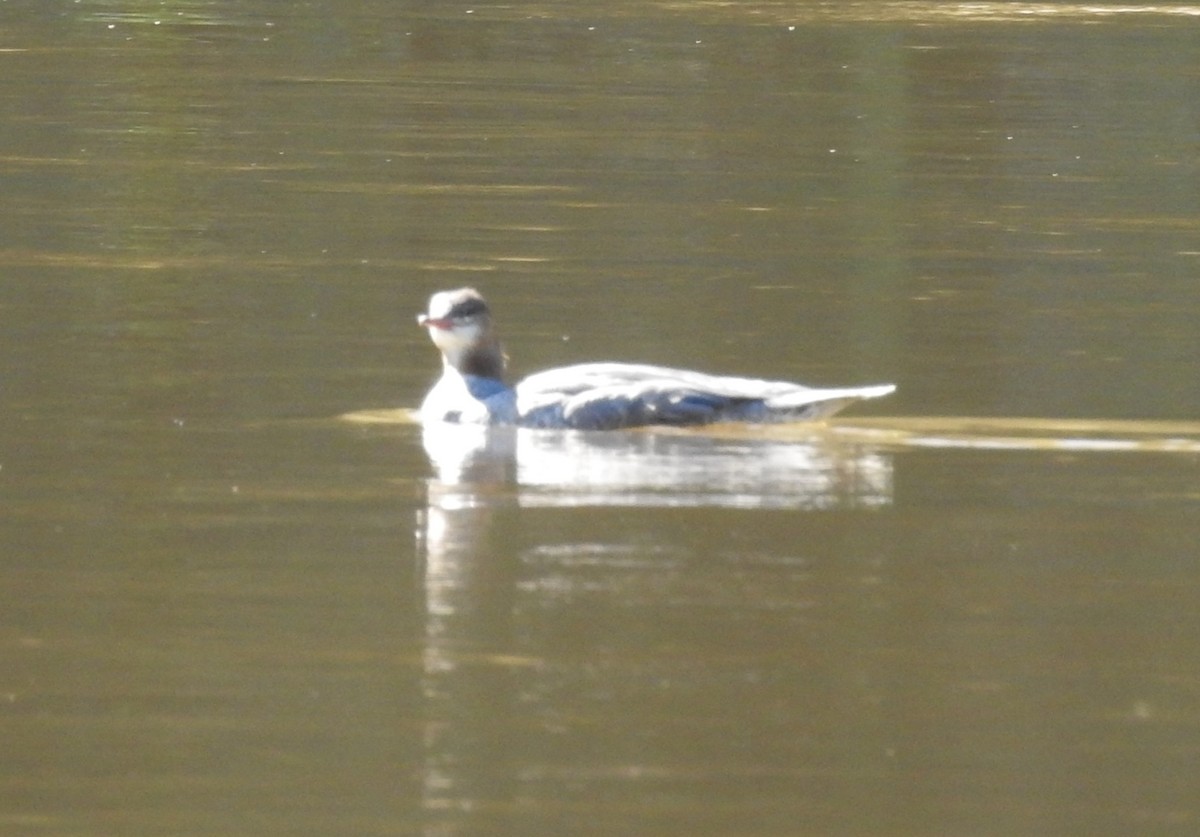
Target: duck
<point>597,396</point>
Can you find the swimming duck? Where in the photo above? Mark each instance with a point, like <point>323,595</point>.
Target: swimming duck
<point>596,396</point>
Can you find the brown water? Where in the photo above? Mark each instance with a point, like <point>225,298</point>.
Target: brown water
<point>226,610</point>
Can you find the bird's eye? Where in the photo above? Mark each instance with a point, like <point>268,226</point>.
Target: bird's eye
<point>468,310</point>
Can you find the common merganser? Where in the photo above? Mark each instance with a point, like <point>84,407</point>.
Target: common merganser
<point>596,396</point>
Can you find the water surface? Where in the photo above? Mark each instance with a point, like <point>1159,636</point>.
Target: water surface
<point>969,608</point>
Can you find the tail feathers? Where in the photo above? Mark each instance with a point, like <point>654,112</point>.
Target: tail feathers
<point>821,403</point>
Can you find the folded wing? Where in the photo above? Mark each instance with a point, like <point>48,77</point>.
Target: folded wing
<point>605,396</point>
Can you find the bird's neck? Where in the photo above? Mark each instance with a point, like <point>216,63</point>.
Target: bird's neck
<point>484,360</point>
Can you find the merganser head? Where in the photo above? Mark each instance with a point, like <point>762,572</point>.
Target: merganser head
<point>460,325</point>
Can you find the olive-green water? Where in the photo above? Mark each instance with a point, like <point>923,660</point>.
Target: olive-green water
<point>226,608</point>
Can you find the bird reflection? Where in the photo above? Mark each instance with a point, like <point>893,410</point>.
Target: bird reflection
<point>475,464</point>
<point>468,537</point>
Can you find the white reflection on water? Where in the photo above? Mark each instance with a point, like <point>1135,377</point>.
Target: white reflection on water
<point>470,575</point>
<point>655,468</point>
